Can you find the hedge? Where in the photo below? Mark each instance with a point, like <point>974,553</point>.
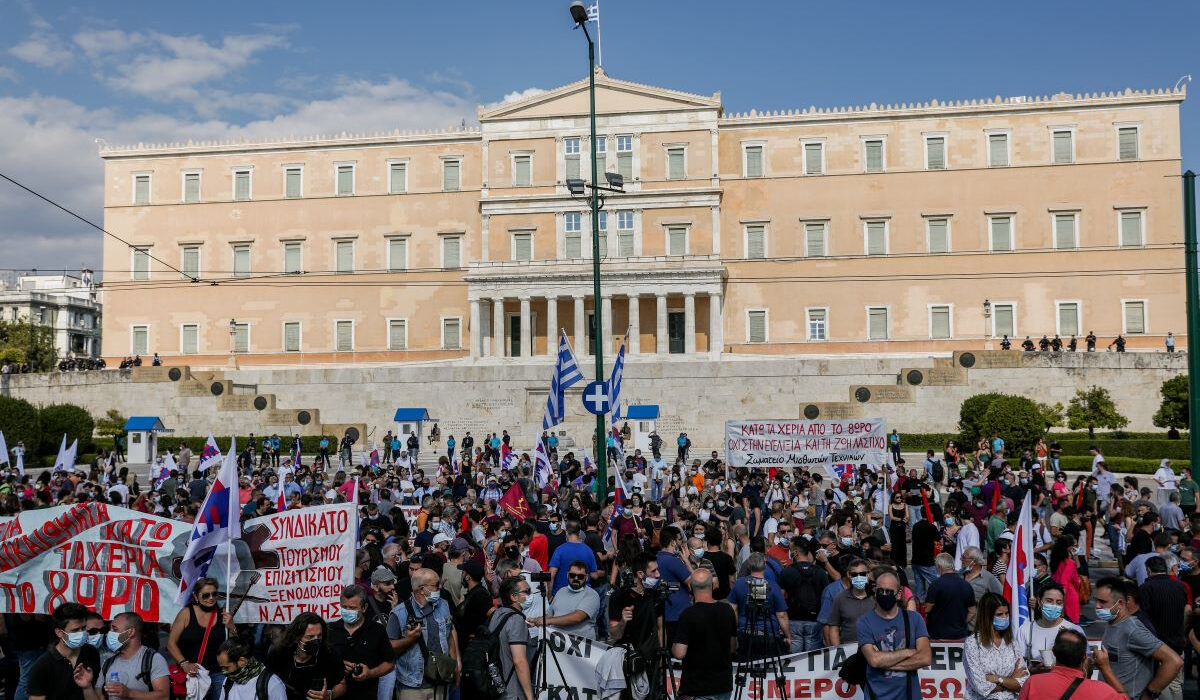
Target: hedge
<point>59,419</point>
<point>1110,443</point>
<point>1124,465</point>
<point>1142,449</point>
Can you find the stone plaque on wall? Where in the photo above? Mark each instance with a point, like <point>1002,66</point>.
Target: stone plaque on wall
<point>882,393</point>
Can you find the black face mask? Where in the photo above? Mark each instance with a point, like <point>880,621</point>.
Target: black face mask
<point>886,600</point>
<point>310,647</point>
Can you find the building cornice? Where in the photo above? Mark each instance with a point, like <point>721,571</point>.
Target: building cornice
<point>293,143</point>
<point>645,199</point>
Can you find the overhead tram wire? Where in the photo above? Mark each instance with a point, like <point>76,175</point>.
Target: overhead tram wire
<point>99,228</point>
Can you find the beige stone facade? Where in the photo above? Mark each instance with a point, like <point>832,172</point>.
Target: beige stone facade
<point>872,229</point>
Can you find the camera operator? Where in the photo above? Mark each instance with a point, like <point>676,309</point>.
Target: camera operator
<point>754,590</point>
<point>632,614</point>
<point>675,571</point>
<point>708,630</point>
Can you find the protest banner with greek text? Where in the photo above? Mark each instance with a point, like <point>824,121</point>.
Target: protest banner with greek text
<point>805,443</point>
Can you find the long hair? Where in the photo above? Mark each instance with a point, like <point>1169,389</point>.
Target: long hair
<point>291,636</point>
<point>1060,552</point>
<point>988,635</point>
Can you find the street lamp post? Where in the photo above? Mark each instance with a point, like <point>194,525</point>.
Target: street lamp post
<point>1193,319</point>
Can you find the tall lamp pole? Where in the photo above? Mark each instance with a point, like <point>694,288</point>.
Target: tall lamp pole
<point>1193,319</point>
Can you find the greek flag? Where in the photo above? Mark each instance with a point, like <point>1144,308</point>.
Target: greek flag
<point>594,13</point>
<point>614,384</point>
<point>566,375</point>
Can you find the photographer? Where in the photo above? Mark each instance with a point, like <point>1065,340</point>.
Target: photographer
<point>675,571</point>
<point>758,638</point>
<point>632,617</point>
<point>574,606</point>
<point>362,643</point>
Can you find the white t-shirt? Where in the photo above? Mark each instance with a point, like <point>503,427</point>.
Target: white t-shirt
<point>770,528</point>
<point>249,690</point>
<point>639,480</point>
<point>968,536</point>
<point>1165,477</point>
<point>1043,639</point>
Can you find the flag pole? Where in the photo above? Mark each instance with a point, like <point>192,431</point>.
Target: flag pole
<point>599,47</point>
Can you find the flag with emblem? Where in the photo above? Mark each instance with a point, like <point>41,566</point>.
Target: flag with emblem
<point>566,375</point>
<point>216,523</point>
<point>508,458</point>
<point>210,455</point>
<point>541,466</point>
<point>280,494</point>
<point>514,503</point>
<point>1019,579</point>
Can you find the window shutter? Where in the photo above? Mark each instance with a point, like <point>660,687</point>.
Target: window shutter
<point>191,187</point>
<point>998,149</point>
<point>1068,319</point>
<point>345,256</point>
<point>450,178</point>
<point>675,169</point>
<point>1062,147</point>
<point>141,189</point>
<point>190,341</point>
<point>522,176</point>
<point>141,264</point>
<point>345,336</point>
<point>676,240</point>
<point>451,333</point>
<point>1064,231</point>
<point>815,240</point>
<point>939,236</point>
<point>291,337</point>
<point>874,156</point>
<point>292,182</point>
<point>936,153</point>
<point>345,179</point>
<point>1001,233</point>
<point>398,178</point>
<point>939,322</point>
<point>450,252</point>
<point>397,253</point>
<point>191,261</point>
<point>1127,143</point>
<point>572,163</point>
<point>1135,317</point>
<point>877,322</point>
<point>574,246</point>
<point>625,244</point>
<point>603,244</point>
<point>523,242</point>
<point>1131,228</point>
<point>141,341</point>
<point>816,324</point>
<point>756,245</point>
<point>397,335</point>
<point>876,238</point>
<point>291,257</point>
<point>754,162</point>
<point>1004,320</point>
<point>625,165</point>
<point>812,158</point>
<point>241,261</point>
<point>758,326</point>
<point>241,185</point>
<point>241,337</point>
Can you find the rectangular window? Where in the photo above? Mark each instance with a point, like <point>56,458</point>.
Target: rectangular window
<point>291,336</point>
<point>1131,228</point>
<point>345,180</point>
<point>397,254</point>
<point>191,187</point>
<point>241,260</point>
<point>997,150</point>
<point>939,322</point>
<point>877,238</point>
<point>1064,146</point>
<point>1064,231</point>
<point>675,163</point>
<point>140,340</point>
<point>344,336</point>
<point>817,324</point>
<point>451,333</point>
<point>1127,143</point>
<point>603,234</point>
<point>141,189</point>
<point>625,234</point>
<point>935,152</point>
<point>293,182</point>
<point>756,242</point>
<point>397,334</point>
<point>241,337</point>
<point>814,158</point>
<point>753,165</point>
<point>522,246</point>
<point>873,155</point>
<point>451,252</point>
<point>877,323</point>
<point>625,157</point>
<point>141,263</point>
<point>1068,318</point>
<point>293,257</point>
<point>451,181</point>
<point>1001,233</point>
<point>241,185</point>
<point>191,261</point>
<point>522,170</point>
<point>397,178</point>
<point>676,240</point>
<point>571,158</point>
<point>1135,317</point>
<point>189,339</point>
<point>814,240</point>
<point>756,321</point>
<point>345,256</point>
<point>1005,320</point>
<point>573,235</point>
<point>939,235</point>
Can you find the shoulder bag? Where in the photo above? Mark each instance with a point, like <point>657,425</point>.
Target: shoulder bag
<point>439,668</point>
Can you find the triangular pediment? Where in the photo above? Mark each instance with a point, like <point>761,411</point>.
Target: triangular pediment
<point>612,97</point>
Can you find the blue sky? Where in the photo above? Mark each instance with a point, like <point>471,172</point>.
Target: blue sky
<point>71,73</point>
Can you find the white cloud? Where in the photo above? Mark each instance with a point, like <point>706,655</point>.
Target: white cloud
<point>101,42</point>
<point>7,73</point>
<point>43,49</point>
<point>515,96</point>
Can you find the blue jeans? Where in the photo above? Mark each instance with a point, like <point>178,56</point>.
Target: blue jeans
<point>923,577</point>
<point>602,613</point>
<point>387,683</point>
<point>656,490</point>
<point>806,635</point>
<point>25,660</point>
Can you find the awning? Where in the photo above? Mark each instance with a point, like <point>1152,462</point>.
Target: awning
<point>411,415</point>
<point>146,424</point>
<point>647,412</point>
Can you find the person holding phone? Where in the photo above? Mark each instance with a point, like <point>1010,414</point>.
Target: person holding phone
<point>303,660</point>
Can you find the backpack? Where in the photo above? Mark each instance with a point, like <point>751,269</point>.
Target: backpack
<point>939,471</point>
<point>143,676</point>
<point>482,675</point>
<point>260,685</point>
<point>805,594</point>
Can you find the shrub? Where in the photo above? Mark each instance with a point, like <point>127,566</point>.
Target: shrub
<point>1139,449</point>
<point>1016,419</point>
<point>1173,411</point>
<point>1094,408</point>
<point>19,423</point>
<point>1121,465</point>
<point>66,418</point>
<point>970,416</point>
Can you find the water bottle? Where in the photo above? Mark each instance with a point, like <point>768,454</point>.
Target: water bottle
<point>114,678</point>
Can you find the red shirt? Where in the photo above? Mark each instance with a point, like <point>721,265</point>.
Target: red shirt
<point>1053,683</point>
<point>780,554</point>
<point>539,549</point>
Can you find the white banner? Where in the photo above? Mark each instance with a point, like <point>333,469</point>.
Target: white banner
<point>805,443</point>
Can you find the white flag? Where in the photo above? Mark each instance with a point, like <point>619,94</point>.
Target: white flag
<point>60,461</point>
<point>3,449</point>
<point>21,461</point>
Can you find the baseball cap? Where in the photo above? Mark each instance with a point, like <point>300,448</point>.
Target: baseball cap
<point>474,568</point>
<point>440,538</point>
<point>459,544</point>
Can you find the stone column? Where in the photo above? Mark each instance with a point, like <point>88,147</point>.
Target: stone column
<point>498,327</point>
<point>689,323</point>
<point>716,331</point>
<point>476,335</point>
<point>551,326</point>
<point>606,320</point>
<point>661,329</point>
<point>526,329</point>
<point>580,326</point>
<point>635,326</point>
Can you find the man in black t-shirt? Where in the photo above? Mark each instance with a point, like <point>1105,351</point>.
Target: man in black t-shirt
<point>632,617</point>
<point>704,639</point>
<point>804,582</point>
<point>363,645</point>
<point>722,563</point>
<point>68,670</point>
<point>477,602</point>
<point>925,536</point>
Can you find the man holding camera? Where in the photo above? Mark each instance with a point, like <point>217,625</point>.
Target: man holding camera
<point>1069,671</point>
<point>676,571</point>
<point>753,596</point>
<point>363,645</point>
<point>632,618</point>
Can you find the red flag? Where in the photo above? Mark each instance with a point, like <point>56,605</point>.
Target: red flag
<point>515,504</point>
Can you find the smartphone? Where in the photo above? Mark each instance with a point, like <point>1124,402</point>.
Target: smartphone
<point>316,684</point>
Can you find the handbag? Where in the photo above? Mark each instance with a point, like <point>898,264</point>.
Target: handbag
<point>439,668</point>
<point>178,677</point>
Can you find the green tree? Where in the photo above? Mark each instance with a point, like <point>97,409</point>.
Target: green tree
<point>970,416</point>
<point>1018,420</point>
<point>19,423</point>
<point>70,419</point>
<point>1173,411</point>
<point>1052,415</point>
<point>111,425</point>
<point>1094,408</point>
<point>33,341</point>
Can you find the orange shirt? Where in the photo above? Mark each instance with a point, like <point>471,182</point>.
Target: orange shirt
<point>698,480</point>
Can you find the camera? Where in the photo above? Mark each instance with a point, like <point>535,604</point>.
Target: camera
<point>626,578</point>
<point>756,593</point>
<point>540,577</point>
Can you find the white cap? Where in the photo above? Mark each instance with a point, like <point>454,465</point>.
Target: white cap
<point>440,538</point>
<point>331,495</point>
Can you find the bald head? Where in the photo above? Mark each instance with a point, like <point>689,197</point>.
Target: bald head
<point>423,577</point>
<point>702,580</point>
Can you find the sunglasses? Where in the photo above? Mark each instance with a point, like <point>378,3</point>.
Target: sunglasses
<point>576,577</point>
<point>206,596</point>
<point>858,573</point>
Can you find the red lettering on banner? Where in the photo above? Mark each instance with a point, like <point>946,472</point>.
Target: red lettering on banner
<point>80,518</point>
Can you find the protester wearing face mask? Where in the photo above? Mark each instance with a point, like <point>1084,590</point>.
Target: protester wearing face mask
<point>362,644</point>
<point>674,568</point>
<point>574,607</point>
<point>418,627</point>
<point>993,664</point>
<point>303,661</point>
<point>1139,664</point>
<point>200,618</point>
<point>1050,621</point>
<point>849,605</point>
<point>133,667</point>
<point>515,647</point>
<point>69,669</point>
<point>894,642</point>
<point>246,674</point>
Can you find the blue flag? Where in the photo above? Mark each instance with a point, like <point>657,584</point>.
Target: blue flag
<point>614,384</point>
<point>566,375</point>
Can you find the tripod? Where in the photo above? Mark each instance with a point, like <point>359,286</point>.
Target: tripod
<point>662,685</point>
<point>761,653</point>
<point>544,649</point>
